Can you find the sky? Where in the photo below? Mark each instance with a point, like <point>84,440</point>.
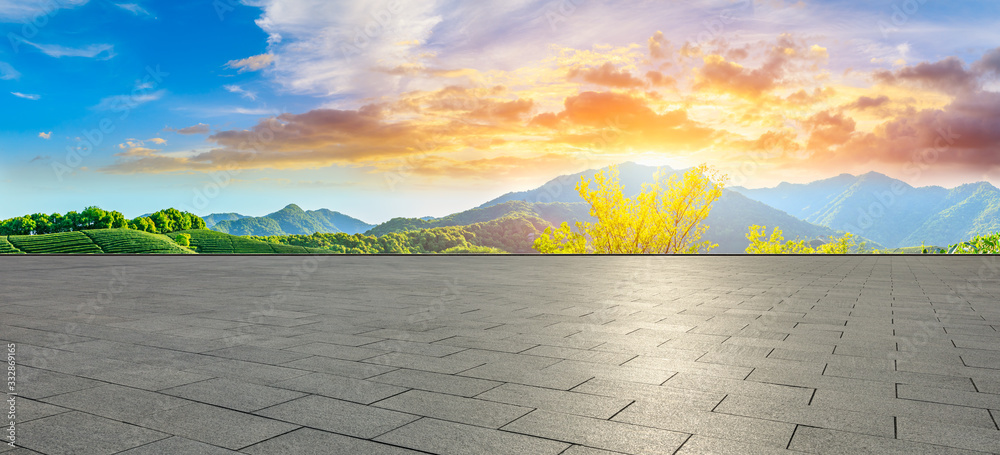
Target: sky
<point>399,108</point>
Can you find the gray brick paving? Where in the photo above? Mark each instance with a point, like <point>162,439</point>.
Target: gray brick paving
<point>470,355</point>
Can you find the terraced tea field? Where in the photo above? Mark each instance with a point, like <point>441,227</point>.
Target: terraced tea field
<point>127,241</point>
<point>204,241</point>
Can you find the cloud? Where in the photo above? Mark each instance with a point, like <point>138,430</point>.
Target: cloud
<point>45,135</point>
<point>607,75</point>
<point>133,8</point>
<point>98,51</point>
<point>21,10</point>
<point>778,60</point>
<point>948,75</point>
<point>254,63</point>
<point>7,72</point>
<point>658,46</point>
<point>990,63</point>
<point>201,128</point>
<point>26,96</point>
<point>119,102</point>
<point>40,158</point>
<point>866,102</point>
<point>828,129</point>
<point>157,140</point>
<point>239,90</point>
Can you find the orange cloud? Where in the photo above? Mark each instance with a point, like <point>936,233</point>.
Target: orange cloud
<point>607,75</point>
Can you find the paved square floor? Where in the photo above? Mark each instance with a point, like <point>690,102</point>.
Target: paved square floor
<point>503,355</point>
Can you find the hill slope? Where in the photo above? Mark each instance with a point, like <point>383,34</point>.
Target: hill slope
<point>889,211</point>
<point>293,220</point>
<point>557,201</point>
<point>96,241</point>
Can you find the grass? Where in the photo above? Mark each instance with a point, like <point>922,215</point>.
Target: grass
<point>75,242</point>
<point>127,241</point>
<point>205,241</point>
<point>7,248</point>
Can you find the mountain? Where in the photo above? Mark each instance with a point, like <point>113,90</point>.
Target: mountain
<point>889,211</point>
<point>293,220</point>
<point>557,201</point>
<point>216,218</point>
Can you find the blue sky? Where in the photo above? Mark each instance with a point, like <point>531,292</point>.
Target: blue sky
<point>383,109</point>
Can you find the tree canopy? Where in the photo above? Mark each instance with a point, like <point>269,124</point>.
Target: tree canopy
<point>666,217</point>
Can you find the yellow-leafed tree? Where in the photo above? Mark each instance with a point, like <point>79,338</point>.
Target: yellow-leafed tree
<point>777,244</point>
<point>666,217</point>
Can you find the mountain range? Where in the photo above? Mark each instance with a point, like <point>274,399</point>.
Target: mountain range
<point>289,220</point>
<point>889,211</point>
<point>885,212</point>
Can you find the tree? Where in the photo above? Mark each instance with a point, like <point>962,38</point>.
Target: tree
<point>777,244</point>
<point>666,217</point>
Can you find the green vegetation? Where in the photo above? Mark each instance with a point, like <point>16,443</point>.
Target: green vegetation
<point>776,244</point>
<point>75,242</point>
<point>980,244</point>
<point>664,218</point>
<point>161,222</point>
<point>204,241</point>
<point>126,241</point>
<point>183,239</point>
<point>7,248</point>
<point>291,220</point>
<point>473,250</point>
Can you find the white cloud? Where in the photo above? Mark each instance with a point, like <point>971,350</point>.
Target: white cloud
<point>99,51</point>
<point>21,10</point>
<point>25,96</point>
<point>254,63</point>
<point>119,102</point>
<point>8,72</point>
<point>239,91</point>
<point>45,135</point>
<point>133,8</point>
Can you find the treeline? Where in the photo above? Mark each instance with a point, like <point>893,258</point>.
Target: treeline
<point>513,234</point>
<point>168,220</point>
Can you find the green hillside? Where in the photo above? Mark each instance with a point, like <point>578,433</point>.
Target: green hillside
<point>125,241</point>
<point>889,211</point>
<point>96,241</point>
<point>210,242</point>
<point>128,241</point>
<point>292,220</point>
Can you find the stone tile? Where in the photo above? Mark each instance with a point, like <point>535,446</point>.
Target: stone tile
<point>178,445</point>
<point>258,354</point>
<point>964,437</point>
<point>343,388</point>
<point>724,426</point>
<point>449,438</point>
<point>936,412</point>
<point>632,391</point>
<point>835,419</point>
<point>117,402</point>
<point>411,347</point>
<point>444,365</point>
<point>359,370</point>
<point>435,382</point>
<point>948,396</point>
<point>28,410</point>
<point>822,440</point>
<point>307,441</point>
<point>584,404</point>
<point>338,416</point>
<point>214,425</point>
<point>79,433</point>
<point>469,411</point>
<point>36,383</point>
<point>598,433</point>
<point>248,371</point>
<point>232,394</point>
<point>704,445</point>
<point>337,351</point>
